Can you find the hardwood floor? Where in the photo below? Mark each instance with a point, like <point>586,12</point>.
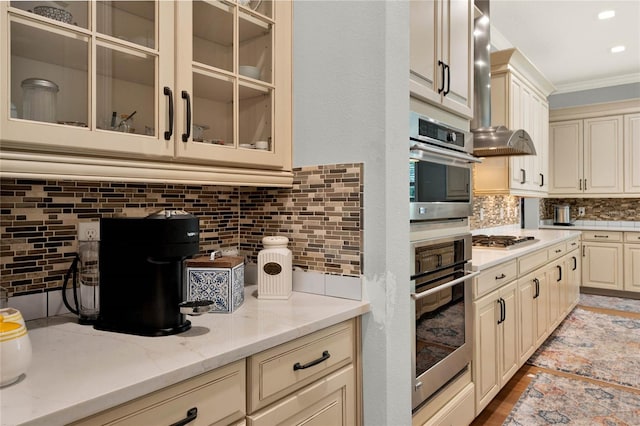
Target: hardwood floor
<point>500,407</point>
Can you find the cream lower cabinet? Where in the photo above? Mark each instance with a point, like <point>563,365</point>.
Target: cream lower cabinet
<point>495,342</point>
<point>602,260</point>
<point>213,398</point>
<point>632,261</point>
<point>517,305</point>
<point>311,380</point>
<point>533,303</point>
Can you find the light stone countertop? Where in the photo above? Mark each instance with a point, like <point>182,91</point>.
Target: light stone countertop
<point>596,225</point>
<point>484,258</point>
<point>77,371</point>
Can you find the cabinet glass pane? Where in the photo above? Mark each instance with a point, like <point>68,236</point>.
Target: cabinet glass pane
<point>133,21</point>
<point>263,7</point>
<point>49,74</point>
<point>255,117</point>
<point>256,41</point>
<point>212,109</point>
<point>68,12</point>
<point>125,85</point>
<point>213,34</point>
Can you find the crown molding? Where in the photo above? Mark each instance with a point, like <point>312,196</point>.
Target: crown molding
<point>597,83</point>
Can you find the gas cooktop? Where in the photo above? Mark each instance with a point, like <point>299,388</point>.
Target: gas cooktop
<point>504,242</point>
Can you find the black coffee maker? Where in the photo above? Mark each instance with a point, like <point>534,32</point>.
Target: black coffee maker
<point>141,272</point>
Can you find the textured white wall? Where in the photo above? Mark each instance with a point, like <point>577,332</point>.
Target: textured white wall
<point>351,103</point>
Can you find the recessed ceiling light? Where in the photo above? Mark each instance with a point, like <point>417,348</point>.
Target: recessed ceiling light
<point>617,49</point>
<point>607,14</point>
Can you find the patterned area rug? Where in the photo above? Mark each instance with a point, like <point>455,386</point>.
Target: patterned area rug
<point>551,399</point>
<point>607,302</point>
<point>594,345</point>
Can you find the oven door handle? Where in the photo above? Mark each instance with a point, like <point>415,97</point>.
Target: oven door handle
<point>418,296</point>
<point>447,156</point>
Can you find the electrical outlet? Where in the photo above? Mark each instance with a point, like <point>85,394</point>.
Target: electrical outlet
<point>89,231</point>
<point>580,211</point>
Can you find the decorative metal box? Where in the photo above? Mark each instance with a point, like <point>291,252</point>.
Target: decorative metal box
<point>220,280</point>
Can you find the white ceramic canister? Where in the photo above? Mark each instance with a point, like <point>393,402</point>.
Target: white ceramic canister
<point>15,351</point>
<point>274,269</point>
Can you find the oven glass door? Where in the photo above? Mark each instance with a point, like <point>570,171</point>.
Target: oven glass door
<point>430,182</point>
<point>440,321</point>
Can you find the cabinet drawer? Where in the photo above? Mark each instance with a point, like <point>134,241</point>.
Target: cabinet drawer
<point>532,261</point>
<point>557,250</point>
<point>276,372</point>
<point>458,412</point>
<point>632,237</point>
<point>573,244</point>
<point>219,397</point>
<point>329,401</point>
<point>494,277</point>
<point>602,236</point>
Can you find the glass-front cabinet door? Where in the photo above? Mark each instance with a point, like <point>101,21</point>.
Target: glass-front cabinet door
<point>177,83</point>
<point>88,76</point>
<point>232,95</point>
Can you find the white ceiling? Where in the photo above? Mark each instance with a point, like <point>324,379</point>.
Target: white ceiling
<point>568,43</point>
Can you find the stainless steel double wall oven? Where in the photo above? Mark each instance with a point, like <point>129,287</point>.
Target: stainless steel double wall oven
<point>440,191</point>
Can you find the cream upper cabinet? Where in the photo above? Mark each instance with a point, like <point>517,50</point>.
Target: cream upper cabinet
<point>441,54</point>
<point>594,150</point>
<point>151,90</point>
<point>518,101</point>
<point>632,153</point>
<point>587,156</point>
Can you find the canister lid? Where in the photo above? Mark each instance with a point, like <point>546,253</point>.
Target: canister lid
<point>275,241</point>
<point>40,83</point>
<point>220,262</point>
<point>6,327</point>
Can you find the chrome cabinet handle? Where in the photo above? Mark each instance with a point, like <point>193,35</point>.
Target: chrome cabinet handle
<point>325,356</point>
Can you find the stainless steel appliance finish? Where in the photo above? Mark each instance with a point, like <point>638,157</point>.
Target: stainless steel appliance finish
<point>490,141</point>
<point>562,215</point>
<point>503,242</point>
<point>441,274</point>
<point>440,175</point>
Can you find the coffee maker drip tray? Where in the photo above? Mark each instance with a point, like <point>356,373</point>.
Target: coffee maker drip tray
<point>150,332</point>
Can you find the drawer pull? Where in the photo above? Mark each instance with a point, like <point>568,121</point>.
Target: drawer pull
<point>558,251</point>
<point>191,416</point>
<point>325,356</point>
<point>501,276</point>
<point>601,236</point>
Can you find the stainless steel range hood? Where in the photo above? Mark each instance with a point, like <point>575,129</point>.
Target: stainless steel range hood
<point>490,141</point>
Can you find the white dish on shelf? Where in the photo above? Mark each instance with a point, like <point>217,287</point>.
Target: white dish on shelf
<point>249,71</point>
<point>247,146</point>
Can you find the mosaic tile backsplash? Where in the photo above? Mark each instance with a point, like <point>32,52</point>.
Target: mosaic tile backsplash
<point>321,215</point>
<point>616,209</point>
<point>491,207</point>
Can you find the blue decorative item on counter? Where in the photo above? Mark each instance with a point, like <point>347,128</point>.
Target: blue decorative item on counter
<point>220,280</point>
